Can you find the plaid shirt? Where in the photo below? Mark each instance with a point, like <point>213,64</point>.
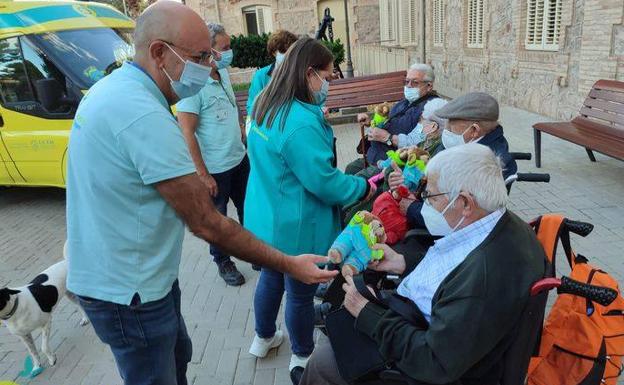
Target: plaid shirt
<point>441,258</point>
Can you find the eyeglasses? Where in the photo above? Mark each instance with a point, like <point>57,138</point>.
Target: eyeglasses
<point>414,82</point>
<point>425,195</point>
<point>204,57</point>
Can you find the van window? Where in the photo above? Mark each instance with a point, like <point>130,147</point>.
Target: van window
<point>86,55</point>
<point>14,84</point>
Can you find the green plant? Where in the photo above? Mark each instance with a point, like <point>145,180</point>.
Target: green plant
<point>241,87</point>
<point>337,49</point>
<point>250,51</point>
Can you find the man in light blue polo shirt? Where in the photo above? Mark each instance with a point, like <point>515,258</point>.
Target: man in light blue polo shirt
<point>210,124</point>
<point>131,186</point>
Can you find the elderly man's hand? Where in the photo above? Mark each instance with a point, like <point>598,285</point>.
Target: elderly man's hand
<point>364,119</point>
<point>392,261</point>
<point>405,204</point>
<point>354,302</point>
<point>305,268</point>
<point>395,179</point>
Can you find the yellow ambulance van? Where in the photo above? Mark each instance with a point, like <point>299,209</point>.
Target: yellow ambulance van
<point>51,52</point>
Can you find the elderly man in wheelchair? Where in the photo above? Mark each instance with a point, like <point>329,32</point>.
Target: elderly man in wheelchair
<point>465,295</point>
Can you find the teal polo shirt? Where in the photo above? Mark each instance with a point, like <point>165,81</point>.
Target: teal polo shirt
<point>218,131</point>
<point>122,236</point>
<point>260,80</point>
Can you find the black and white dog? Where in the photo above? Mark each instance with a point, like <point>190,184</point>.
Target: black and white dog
<point>28,308</point>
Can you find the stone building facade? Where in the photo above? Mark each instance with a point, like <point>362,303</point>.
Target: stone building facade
<point>588,44</point>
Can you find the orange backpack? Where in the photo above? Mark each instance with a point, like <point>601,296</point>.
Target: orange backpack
<point>582,342</point>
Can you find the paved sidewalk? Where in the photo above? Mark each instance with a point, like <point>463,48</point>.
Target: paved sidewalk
<point>220,318</point>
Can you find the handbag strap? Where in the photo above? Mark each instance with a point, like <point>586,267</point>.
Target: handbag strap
<point>361,287</point>
<point>399,304</point>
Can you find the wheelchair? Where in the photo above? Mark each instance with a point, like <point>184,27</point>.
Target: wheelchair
<point>516,358</point>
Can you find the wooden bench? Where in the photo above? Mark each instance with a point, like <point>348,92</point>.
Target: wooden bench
<point>599,126</point>
<point>355,92</point>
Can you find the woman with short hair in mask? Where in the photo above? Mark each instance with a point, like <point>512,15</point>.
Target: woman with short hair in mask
<point>278,44</point>
<point>295,191</point>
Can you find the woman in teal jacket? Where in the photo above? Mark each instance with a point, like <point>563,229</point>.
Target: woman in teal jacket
<point>278,44</point>
<point>295,192</point>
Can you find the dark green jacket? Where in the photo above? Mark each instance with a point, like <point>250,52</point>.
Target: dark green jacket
<point>474,312</point>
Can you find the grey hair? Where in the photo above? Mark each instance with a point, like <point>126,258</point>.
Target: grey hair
<point>215,29</point>
<point>429,112</point>
<point>426,69</point>
<point>472,168</point>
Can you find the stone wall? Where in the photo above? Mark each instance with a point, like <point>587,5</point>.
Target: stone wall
<point>549,83</point>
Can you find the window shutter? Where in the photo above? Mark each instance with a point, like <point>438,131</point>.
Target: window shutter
<point>413,22</point>
<point>552,21</point>
<point>260,18</point>
<point>543,25</point>
<point>390,31</point>
<point>438,22</point>
<point>475,23</point>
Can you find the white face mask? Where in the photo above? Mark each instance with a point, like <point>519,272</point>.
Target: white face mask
<point>435,221</point>
<point>451,139</point>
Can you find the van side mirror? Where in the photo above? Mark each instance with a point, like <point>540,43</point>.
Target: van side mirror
<point>50,93</point>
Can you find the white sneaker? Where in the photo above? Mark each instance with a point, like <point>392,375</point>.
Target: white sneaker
<point>261,346</point>
<point>296,360</point>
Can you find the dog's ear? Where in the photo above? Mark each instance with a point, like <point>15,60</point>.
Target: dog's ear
<point>5,294</point>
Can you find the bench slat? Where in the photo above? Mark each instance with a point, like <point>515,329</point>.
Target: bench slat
<point>355,92</point>
<point>605,105</point>
<point>603,115</point>
<point>609,85</point>
<point>617,97</point>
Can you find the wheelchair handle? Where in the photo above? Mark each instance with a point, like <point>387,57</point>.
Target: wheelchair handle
<point>521,155</point>
<point>577,227</point>
<point>598,294</point>
<point>533,177</point>
<point>566,285</point>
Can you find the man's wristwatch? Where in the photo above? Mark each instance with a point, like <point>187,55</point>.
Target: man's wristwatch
<point>389,140</point>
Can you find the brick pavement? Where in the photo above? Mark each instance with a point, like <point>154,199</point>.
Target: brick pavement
<point>220,318</point>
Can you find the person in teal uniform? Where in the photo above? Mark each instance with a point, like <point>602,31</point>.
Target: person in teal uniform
<point>278,44</point>
<point>295,191</point>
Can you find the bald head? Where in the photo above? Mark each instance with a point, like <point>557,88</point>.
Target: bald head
<point>173,22</point>
<point>167,34</point>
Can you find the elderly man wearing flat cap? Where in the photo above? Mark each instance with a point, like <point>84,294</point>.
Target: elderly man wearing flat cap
<point>472,118</point>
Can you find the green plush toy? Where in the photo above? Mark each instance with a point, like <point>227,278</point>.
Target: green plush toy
<point>380,117</point>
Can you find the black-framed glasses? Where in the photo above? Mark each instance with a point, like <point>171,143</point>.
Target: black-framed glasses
<point>204,57</point>
<point>425,195</point>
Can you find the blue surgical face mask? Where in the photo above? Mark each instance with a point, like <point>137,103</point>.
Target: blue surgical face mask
<point>193,78</point>
<point>418,133</point>
<point>411,93</point>
<point>279,58</point>
<point>321,95</point>
<point>226,59</point>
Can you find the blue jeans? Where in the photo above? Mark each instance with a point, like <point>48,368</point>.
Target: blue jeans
<point>299,309</point>
<point>232,184</point>
<point>149,340</point>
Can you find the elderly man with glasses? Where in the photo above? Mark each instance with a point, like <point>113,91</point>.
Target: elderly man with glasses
<point>403,118</point>
<point>471,286</point>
